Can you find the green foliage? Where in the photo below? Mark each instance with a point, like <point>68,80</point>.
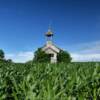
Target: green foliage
<point>64,57</point>
<point>41,57</point>
<point>9,60</point>
<point>2,55</point>
<point>74,81</point>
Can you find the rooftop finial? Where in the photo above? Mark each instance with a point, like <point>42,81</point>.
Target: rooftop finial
<point>49,29</point>
<point>49,33</point>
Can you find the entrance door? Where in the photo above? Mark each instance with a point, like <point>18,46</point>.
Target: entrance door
<point>51,57</point>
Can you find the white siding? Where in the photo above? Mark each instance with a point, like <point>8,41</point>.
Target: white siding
<point>51,49</point>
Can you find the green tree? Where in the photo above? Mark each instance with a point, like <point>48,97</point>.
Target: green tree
<point>63,56</point>
<point>41,57</point>
<point>2,55</point>
<point>9,60</point>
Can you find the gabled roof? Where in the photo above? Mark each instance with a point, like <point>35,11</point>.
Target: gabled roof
<point>52,47</point>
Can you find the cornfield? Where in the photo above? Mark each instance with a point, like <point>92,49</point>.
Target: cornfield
<point>75,81</point>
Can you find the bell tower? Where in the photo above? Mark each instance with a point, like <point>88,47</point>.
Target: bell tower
<point>49,36</point>
<point>50,48</point>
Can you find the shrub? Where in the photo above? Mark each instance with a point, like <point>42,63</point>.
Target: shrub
<point>41,57</point>
<point>63,56</point>
<point>2,55</point>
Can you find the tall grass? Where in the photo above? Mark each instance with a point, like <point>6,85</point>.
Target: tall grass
<point>75,81</point>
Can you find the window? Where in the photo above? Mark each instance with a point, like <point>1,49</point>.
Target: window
<point>51,55</point>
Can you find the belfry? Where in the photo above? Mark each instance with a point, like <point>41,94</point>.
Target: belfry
<point>49,47</point>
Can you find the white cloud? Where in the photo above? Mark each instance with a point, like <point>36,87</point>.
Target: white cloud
<point>86,52</point>
<point>92,47</point>
<point>85,57</point>
<point>21,56</point>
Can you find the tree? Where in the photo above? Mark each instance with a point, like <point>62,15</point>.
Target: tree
<point>2,55</point>
<point>63,56</point>
<point>9,60</point>
<point>41,57</point>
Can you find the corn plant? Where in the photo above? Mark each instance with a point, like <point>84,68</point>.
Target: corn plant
<point>42,81</point>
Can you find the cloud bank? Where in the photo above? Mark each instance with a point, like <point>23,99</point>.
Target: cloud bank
<point>21,56</point>
<point>88,52</point>
<point>85,57</point>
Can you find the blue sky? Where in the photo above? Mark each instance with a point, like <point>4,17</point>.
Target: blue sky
<point>75,23</point>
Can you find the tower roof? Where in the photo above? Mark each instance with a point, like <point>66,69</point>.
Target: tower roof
<point>49,33</point>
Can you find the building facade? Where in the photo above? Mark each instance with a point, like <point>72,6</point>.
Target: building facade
<point>50,48</point>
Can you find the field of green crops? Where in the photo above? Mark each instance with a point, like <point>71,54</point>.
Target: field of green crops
<point>75,81</point>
